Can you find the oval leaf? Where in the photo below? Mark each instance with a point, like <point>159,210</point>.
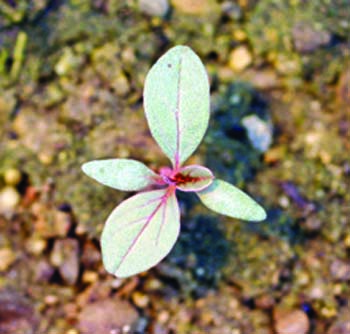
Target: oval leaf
<point>140,232</point>
<point>122,174</point>
<point>176,100</point>
<point>228,200</point>
<point>193,178</point>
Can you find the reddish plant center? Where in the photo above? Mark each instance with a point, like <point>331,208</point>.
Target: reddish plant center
<point>181,179</point>
<point>171,177</point>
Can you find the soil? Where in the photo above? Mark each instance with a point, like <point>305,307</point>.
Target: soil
<point>71,81</point>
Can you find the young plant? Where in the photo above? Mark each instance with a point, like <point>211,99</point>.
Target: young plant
<point>143,229</point>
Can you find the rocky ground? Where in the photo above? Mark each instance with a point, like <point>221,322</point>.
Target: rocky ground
<point>71,81</point>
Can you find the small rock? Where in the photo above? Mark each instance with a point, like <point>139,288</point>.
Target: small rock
<point>7,257</point>
<point>154,7</point>
<point>197,7</point>
<point>89,277</point>
<point>12,176</point>
<point>316,291</point>
<point>72,331</point>
<point>340,328</point>
<point>140,299</point>
<point>51,222</point>
<point>43,272</point>
<point>313,223</point>
<point>68,62</point>
<point>307,39</point>
<point>91,257</point>
<point>265,302</point>
<point>240,58</point>
<point>287,64</point>
<point>259,132</point>
<point>291,322</point>
<point>342,323</point>
<point>107,316</point>
<point>262,79</point>
<point>51,300</point>
<point>71,311</point>
<point>9,199</point>
<point>163,316</point>
<point>99,290</point>
<point>65,257</point>
<point>343,88</point>
<point>36,245</point>
<point>120,84</point>
<point>340,270</point>
<point>234,12</point>
<point>329,311</point>
<point>62,222</point>
<point>17,316</point>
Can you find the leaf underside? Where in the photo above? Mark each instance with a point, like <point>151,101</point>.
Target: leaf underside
<point>176,100</point>
<point>140,232</point>
<point>195,178</point>
<point>226,199</point>
<point>122,174</point>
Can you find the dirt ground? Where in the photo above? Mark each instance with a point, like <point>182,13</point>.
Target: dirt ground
<point>71,81</point>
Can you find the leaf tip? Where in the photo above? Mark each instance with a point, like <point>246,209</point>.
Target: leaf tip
<point>260,214</point>
<point>85,167</point>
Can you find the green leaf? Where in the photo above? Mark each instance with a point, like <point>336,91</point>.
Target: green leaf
<point>140,232</point>
<point>176,100</point>
<point>194,178</point>
<point>122,174</point>
<point>228,200</point>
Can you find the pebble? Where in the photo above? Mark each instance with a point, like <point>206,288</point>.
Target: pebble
<point>329,311</point>
<point>140,299</point>
<point>259,132</point>
<point>89,277</point>
<point>120,84</point>
<point>36,245</point>
<point>347,241</point>
<point>154,7</point>
<point>106,316</point>
<point>343,88</point>
<point>9,199</point>
<point>43,271</point>
<point>163,317</point>
<point>342,324</point>
<point>291,322</point>
<point>307,39</point>
<point>196,7</point>
<point>65,257</point>
<point>7,257</point>
<point>91,256</point>
<point>62,222</point>
<point>265,302</point>
<point>71,311</point>
<point>240,58</point>
<point>153,284</point>
<point>51,300</point>
<point>51,222</point>
<point>12,176</point>
<point>72,331</point>
<point>233,11</point>
<point>262,79</point>
<point>17,314</point>
<point>340,270</point>
<point>67,62</point>
<point>287,65</point>
<point>313,223</point>
<point>240,35</point>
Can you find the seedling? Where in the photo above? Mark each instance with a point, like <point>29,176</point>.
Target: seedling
<point>143,229</point>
